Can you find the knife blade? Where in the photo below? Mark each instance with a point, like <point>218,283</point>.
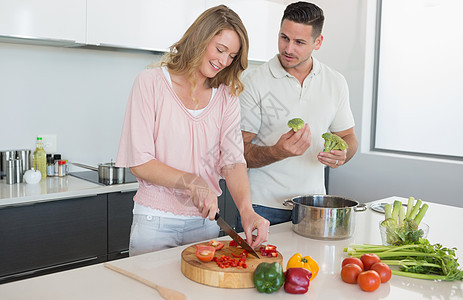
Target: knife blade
<point>235,236</point>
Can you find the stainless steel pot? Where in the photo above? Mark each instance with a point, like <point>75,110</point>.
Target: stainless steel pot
<point>108,173</point>
<point>325,217</point>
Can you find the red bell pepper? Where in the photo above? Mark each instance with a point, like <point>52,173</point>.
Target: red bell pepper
<point>297,280</point>
<point>216,244</point>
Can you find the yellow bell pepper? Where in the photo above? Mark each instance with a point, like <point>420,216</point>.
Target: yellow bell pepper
<point>306,262</point>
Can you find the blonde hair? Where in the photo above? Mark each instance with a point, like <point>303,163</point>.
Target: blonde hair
<point>185,56</point>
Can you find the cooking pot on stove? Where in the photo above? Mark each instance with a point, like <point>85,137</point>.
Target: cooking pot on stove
<point>108,173</point>
<point>325,217</point>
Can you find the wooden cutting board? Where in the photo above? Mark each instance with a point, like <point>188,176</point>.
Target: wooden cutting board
<point>209,273</point>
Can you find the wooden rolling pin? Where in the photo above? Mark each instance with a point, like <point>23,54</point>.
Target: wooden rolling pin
<point>165,292</point>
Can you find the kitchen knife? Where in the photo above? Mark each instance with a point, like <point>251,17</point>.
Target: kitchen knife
<point>235,236</point>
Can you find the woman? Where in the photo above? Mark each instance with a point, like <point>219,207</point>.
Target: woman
<point>181,133</point>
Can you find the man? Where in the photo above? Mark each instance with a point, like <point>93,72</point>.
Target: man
<point>282,163</point>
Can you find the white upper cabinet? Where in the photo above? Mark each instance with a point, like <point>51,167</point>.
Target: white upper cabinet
<point>45,19</point>
<point>140,24</point>
<point>262,21</point>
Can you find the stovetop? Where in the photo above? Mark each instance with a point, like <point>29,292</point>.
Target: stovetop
<point>92,176</point>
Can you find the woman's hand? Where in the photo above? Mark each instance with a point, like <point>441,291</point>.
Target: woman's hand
<point>251,221</point>
<point>203,197</point>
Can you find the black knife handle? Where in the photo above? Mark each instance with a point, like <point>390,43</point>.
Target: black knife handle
<point>217,216</point>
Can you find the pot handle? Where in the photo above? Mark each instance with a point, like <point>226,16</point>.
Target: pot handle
<point>360,207</point>
<point>84,166</point>
<point>288,202</point>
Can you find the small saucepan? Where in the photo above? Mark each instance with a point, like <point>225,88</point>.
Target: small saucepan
<point>108,173</point>
<point>325,217</point>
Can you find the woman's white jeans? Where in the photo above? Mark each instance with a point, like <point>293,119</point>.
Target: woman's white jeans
<point>151,233</point>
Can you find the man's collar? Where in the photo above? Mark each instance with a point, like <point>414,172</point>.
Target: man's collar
<point>278,71</point>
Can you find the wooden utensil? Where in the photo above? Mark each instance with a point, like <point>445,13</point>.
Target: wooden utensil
<point>209,273</point>
<point>165,292</point>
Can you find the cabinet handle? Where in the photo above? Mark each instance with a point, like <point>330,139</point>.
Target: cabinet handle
<point>131,48</point>
<point>38,40</point>
<point>49,268</point>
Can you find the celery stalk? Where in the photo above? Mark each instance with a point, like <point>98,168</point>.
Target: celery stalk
<point>411,201</point>
<point>421,213</point>
<point>395,210</point>
<point>387,211</point>
<point>416,208</point>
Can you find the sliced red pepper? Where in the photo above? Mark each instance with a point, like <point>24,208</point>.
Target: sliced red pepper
<point>205,253</point>
<point>216,244</point>
<point>233,244</point>
<point>269,250</point>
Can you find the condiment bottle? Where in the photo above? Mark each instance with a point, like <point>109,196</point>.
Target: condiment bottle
<point>50,166</point>
<point>39,158</point>
<point>57,158</point>
<point>61,168</point>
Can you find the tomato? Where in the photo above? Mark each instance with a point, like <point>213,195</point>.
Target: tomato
<point>216,244</point>
<point>369,281</point>
<point>350,272</point>
<point>383,270</point>
<point>205,253</point>
<point>369,259</point>
<point>352,260</point>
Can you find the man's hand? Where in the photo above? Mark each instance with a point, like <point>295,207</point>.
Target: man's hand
<point>333,159</point>
<point>293,143</point>
<point>338,158</point>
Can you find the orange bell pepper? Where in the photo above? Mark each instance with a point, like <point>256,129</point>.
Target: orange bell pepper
<point>306,262</point>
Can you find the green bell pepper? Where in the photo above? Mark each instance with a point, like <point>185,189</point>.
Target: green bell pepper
<point>268,277</point>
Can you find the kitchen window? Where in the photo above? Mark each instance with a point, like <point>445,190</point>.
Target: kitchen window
<point>418,85</point>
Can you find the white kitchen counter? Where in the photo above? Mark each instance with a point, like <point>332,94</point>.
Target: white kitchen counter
<point>163,267</point>
<point>55,188</point>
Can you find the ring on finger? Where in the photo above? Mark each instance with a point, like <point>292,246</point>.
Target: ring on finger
<point>336,163</point>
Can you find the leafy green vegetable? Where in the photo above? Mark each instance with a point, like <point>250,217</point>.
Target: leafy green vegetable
<point>421,260</point>
<point>296,124</point>
<point>403,227</point>
<point>333,142</point>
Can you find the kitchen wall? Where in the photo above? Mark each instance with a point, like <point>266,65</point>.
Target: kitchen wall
<point>348,47</point>
<point>80,95</point>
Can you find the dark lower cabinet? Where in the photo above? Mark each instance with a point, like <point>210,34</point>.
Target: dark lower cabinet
<point>120,207</point>
<point>46,237</point>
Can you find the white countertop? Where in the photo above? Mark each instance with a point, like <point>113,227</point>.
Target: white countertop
<point>163,267</point>
<point>55,188</point>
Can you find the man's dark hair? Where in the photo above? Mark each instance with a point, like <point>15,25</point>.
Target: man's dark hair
<point>305,13</point>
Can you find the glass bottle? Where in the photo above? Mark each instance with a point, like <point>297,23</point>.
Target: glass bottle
<point>50,166</point>
<point>39,158</point>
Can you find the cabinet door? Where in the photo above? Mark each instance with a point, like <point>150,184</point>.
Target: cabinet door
<point>120,207</point>
<point>262,21</point>
<point>140,24</point>
<point>45,19</point>
<point>45,237</point>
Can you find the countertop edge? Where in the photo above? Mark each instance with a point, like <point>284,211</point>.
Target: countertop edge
<point>87,189</point>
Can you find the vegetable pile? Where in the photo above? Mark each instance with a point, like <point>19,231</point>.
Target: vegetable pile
<point>299,272</point>
<point>367,271</point>
<point>421,260</point>
<point>333,142</point>
<point>402,227</point>
<point>296,124</point>
<point>407,250</point>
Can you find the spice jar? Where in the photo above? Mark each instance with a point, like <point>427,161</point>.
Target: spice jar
<point>61,168</point>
